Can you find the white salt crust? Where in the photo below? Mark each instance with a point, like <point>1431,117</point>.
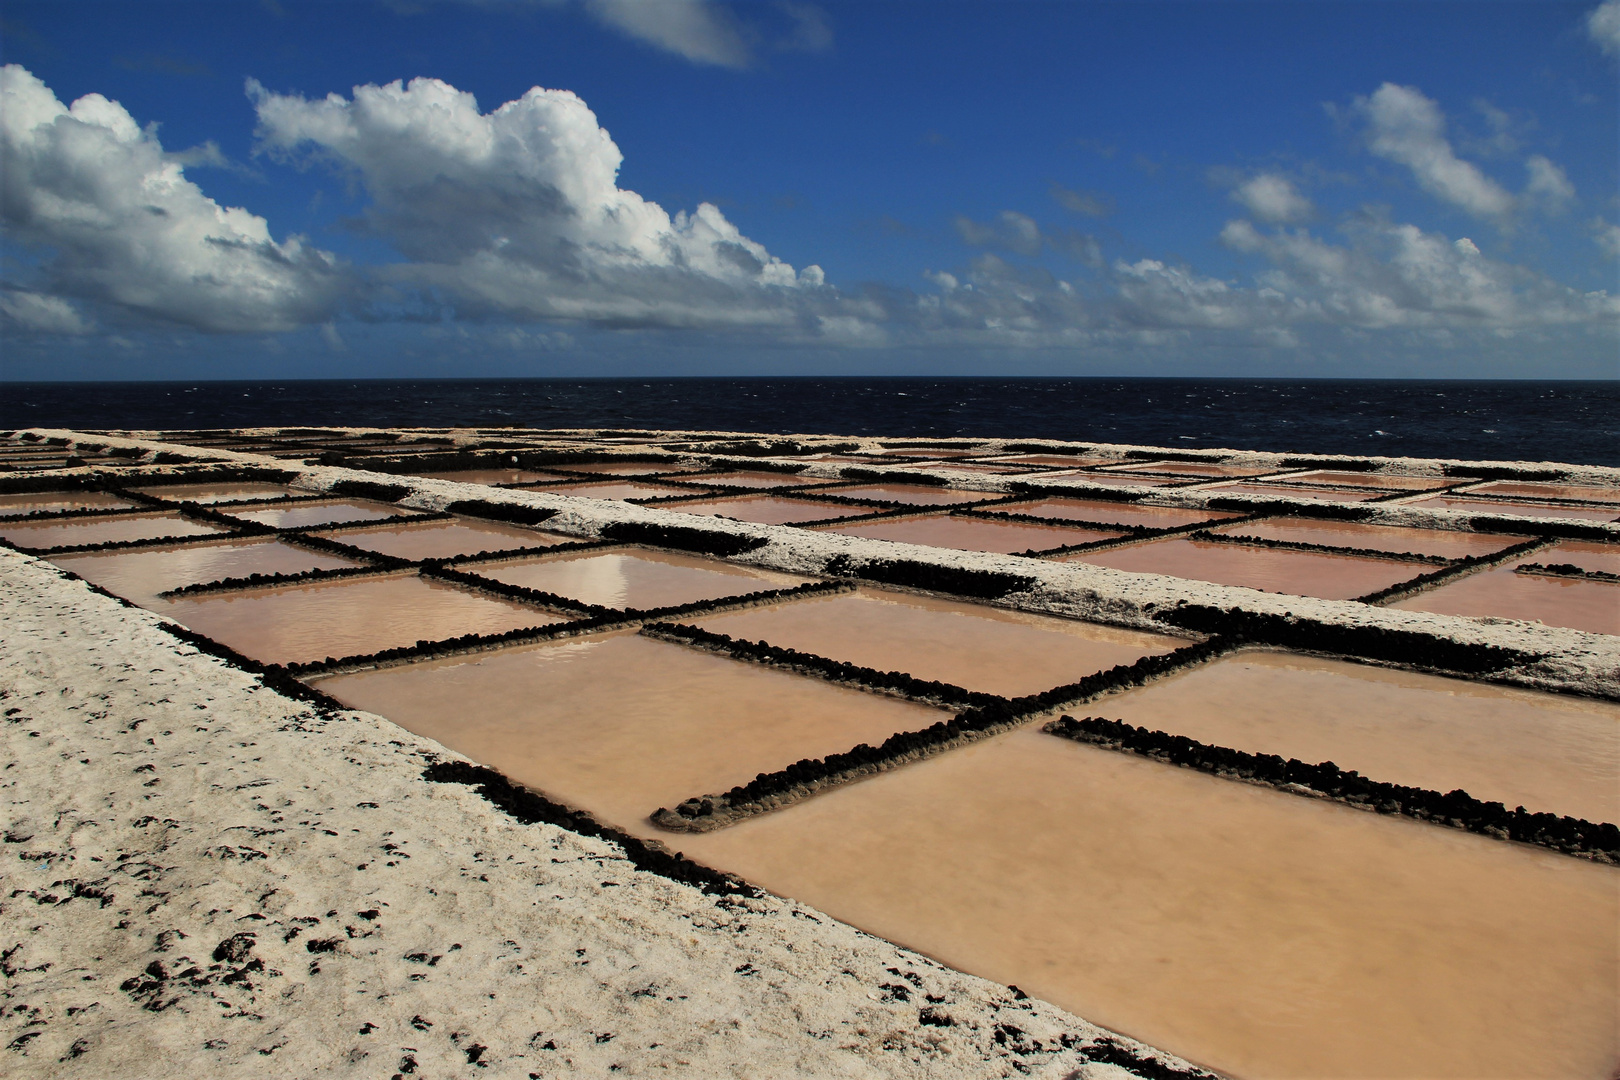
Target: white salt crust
<point>1575,661</point>
<point>159,803</point>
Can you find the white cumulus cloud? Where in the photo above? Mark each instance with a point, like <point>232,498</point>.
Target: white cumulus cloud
<point>1408,128</point>
<point>518,211</point>
<point>1603,26</point>
<point>1273,199</point>
<point>41,313</point>
<point>115,221</point>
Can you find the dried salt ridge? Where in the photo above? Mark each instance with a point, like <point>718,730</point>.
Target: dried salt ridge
<point>205,877</point>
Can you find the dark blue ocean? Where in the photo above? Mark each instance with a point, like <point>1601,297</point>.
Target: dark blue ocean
<point>1576,422</point>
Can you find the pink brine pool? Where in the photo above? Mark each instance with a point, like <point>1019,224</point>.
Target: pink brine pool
<point>1301,573</point>
<point>974,534</point>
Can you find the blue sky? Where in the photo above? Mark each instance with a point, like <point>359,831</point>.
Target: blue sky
<point>376,188</point>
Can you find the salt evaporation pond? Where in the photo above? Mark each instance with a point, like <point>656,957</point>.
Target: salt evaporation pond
<point>306,515</point>
<point>620,724</point>
<point>211,494</point>
<point>297,624</point>
<point>1444,543</point>
<point>1523,509</point>
<point>109,530</point>
<point>1113,513</point>
<point>1253,931</point>
<point>638,579</point>
<point>769,510</point>
<point>52,501</point>
<point>446,539</point>
<point>1299,573</point>
<point>974,534</point>
<point>139,576</point>
<point>1546,752</point>
<point>912,494</point>
<point>1502,593</point>
<point>970,645</point>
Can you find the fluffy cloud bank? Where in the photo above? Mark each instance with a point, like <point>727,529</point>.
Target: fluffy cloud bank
<point>116,222</point>
<point>517,212</point>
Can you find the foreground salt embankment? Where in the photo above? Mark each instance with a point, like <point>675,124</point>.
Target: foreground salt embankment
<point>202,877</point>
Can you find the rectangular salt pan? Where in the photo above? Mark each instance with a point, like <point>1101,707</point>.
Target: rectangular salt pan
<point>766,510</point>
<point>974,534</point>
<point>622,490</point>
<point>1298,573</point>
<point>298,624</point>
<point>1503,507</point>
<point>209,494</point>
<point>630,468</point>
<point>303,515</point>
<point>1546,752</point>
<point>1532,489</point>
<point>758,479</point>
<point>912,494</point>
<point>637,579</point>
<point>46,502</point>
<point>138,576</point>
<point>104,530</point>
<point>1120,479</point>
<point>446,539</point>
<point>622,725</point>
<point>1500,593</point>
<point>1394,538</point>
<point>1259,933</point>
<point>1386,481</point>
<point>971,645</point>
<point>1196,468</point>
<point>1113,513</point>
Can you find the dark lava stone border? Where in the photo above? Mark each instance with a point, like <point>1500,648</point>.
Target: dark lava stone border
<point>1407,648</point>
<point>682,538</point>
<point>530,807</point>
<point>1599,842</point>
<point>908,573</point>
<point>804,778</point>
<point>1564,570</point>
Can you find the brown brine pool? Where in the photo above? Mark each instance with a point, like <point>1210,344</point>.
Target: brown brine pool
<point>1501,593</point>
<point>103,530</point>
<point>208,494</point>
<point>1520,509</point>
<point>1546,752</point>
<point>298,624</point>
<point>974,534</point>
<point>1445,543</point>
<point>138,576</point>
<point>1113,513</point>
<point>769,509</point>
<point>971,645</point>
<point>51,501</point>
<point>638,579</point>
<point>336,512</point>
<point>446,539</point>
<point>1256,932</point>
<point>621,725</point>
<point>913,494</point>
<point>490,477</point>
<point>1300,573</point>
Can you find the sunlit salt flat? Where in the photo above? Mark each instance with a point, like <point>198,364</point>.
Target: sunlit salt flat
<point>640,579</point>
<point>139,576</point>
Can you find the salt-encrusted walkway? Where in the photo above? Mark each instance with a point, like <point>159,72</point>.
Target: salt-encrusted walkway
<point>200,877</point>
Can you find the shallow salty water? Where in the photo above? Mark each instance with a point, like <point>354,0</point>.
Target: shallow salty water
<point>1522,509</point>
<point>1394,538</point>
<point>971,645</point>
<point>638,579</point>
<point>1114,513</point>
<point>617,489</point>
<point>1503,594</point>
<point>1259,933</point>
<point>1387,481</point>
<point>1300,573</point>
<point>1195,468</point>
<point>1533,489</point>
<point>210,494</point>
<point>138,576</point>
<point>103,530</point>
<point>446,539</point>
<point>974,534</point>
<point>913,494</point>
<point>49,501</point>
<point>300,515</point>
<point>347,618</point>
<point>1546,752</point>
<point>758,479</point>
<point>768,509</point>
<point>622,725</point>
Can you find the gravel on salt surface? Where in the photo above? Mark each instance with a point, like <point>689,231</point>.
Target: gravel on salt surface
<point>203,877</point>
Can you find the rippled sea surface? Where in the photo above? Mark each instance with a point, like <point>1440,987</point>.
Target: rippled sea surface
<point>1575,422</point>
